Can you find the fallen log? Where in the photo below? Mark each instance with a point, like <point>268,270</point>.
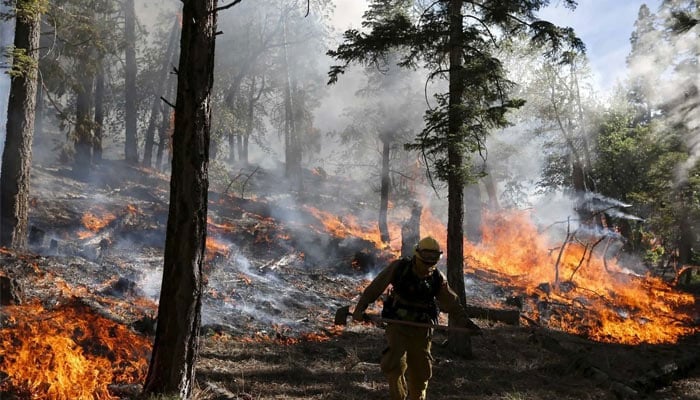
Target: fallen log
<point>505,315</point>
<point>662,375</point>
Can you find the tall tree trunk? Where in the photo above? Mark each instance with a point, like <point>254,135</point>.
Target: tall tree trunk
<point>459,343</point>
<point>472,212</point>
<point>130,117</point>
<point>83,127</point>
<point>162,79</point>
<point>250,119</point>
<point>99,111</point>
<point>490,185</point>
<point>410,231</point>
<point>384,189</point>
<point>231,147</point>
<point>165,126</point>
<point>292,144</point>
<point>175,350</point>
<point>17,153</point>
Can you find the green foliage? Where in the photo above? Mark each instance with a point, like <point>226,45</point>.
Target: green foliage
<point>423,38</point>
<point>22,63</point>
<point>26,10</point>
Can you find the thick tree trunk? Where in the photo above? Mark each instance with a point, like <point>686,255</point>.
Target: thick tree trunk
<point>17,153</point>
<point>459,343</point>
<point>130,117</point>
<point>83,127</point>
<point>175,350</point>
<point>384,189</point>
<point>162,79</point>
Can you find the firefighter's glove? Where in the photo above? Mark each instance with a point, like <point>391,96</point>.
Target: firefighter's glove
<point>359,315</point>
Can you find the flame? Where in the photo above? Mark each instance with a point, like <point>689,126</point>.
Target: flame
<point>602,300</point>
<point>94,223</point>
<point>350,226</point>
<point>214,247</point>
<point>70,352</point>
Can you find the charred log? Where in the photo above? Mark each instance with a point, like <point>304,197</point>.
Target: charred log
<point>10,291</point>
<point>507,316</point>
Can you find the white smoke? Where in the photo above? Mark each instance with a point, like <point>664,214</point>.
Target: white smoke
<point>670,71</point>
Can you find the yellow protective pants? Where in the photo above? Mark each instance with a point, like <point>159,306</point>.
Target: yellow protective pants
<point>406,362</point>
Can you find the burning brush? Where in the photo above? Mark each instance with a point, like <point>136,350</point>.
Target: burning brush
<point>69,352</point>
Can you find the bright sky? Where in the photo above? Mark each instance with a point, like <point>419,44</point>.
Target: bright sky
<point>604,26</point>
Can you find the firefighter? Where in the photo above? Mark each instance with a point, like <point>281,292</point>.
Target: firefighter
<point>418,293</point>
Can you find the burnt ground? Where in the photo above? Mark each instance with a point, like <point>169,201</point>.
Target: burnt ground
<point>275,276</point>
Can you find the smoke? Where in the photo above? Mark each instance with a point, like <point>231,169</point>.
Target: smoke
<point>670,79</point>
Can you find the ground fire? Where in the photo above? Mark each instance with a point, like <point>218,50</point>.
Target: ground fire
<point>49,345</point>
<point>68,352</point>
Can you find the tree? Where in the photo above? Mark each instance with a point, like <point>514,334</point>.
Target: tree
<point>643,79</point>
<point>162,79</point>
<point>77,73</point>
<point>17,153</point>
<point>460,52</point>
<point>130,117</point>
<point>175,350</point>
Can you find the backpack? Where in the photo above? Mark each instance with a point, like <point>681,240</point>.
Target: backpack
<point>412,298</point>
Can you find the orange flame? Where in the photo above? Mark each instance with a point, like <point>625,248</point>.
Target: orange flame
<point>350,226</point>
<point>94,223</point>
<point>214,247</point>
<point>604,301</point>
<point>68,353</point>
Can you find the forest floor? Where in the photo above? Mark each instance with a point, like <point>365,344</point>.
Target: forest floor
<point>268,311</point>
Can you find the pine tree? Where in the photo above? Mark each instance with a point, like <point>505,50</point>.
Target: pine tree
<point>454,40</point>
<point>17,153</point>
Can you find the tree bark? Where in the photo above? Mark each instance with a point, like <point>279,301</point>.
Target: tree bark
<point>459,343</point>
<point>83,127</point>
<point>130,117</point>
<point>17,153</point>
<point>175,350</point>
<point>384,189</point>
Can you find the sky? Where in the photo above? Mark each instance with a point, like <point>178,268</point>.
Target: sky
<point>604,26</point>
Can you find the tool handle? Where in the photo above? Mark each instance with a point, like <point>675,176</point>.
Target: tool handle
<point>472,332</point>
